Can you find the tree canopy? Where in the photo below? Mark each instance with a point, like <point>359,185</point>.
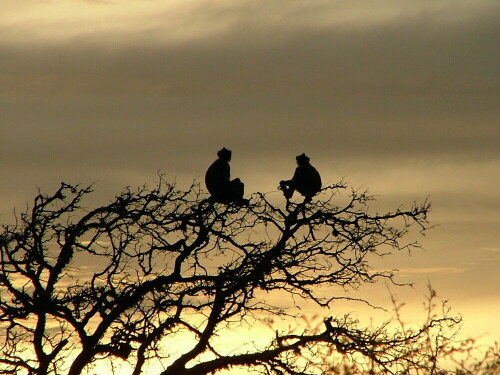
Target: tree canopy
<point>159,275</point>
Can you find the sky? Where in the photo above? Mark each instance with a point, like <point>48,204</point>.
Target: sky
<point>395,96</point>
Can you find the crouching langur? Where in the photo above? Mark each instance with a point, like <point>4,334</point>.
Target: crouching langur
<point>217,180</point>
<point>306,180</point>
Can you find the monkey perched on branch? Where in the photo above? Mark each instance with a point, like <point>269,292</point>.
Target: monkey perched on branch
<point>306,180</point>
<point>217,179</point>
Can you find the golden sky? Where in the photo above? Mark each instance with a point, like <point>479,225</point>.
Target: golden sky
<point>400,97</point>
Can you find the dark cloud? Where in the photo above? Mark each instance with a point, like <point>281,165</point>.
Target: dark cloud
<point>400,97</point>
<point>337,81</point>
<point>412,85</point>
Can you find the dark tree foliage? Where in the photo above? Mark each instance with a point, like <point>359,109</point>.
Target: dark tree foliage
<point>132,279</point>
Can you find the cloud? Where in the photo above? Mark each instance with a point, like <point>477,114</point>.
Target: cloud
<point>117,90</point>
<point>397,96</point>
<point>492,249</point>
<point>246,47</point>
<point>432,270</point>
<point>397,88</point>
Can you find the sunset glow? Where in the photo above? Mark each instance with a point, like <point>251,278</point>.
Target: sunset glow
<point>397,98</point>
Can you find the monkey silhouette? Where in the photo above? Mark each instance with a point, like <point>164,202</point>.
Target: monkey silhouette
<point>219,184</point>
<point>306,180</point>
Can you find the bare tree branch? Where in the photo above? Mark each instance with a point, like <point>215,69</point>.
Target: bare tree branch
<point>125,280</point>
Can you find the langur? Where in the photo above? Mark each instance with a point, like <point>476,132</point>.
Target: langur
<point>217,180</point>
<point>306,180</point>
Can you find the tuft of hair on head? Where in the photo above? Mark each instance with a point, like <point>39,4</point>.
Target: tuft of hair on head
<point>302,158</point>
<point>224,153</point>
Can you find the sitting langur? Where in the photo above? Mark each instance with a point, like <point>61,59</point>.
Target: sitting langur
<point>217,179</point>
<point>306,180</point>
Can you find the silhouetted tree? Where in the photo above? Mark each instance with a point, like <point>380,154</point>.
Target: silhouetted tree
<point>159,275</point>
